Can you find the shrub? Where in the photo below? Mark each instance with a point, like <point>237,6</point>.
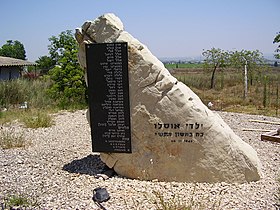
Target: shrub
<point>11,93</point>
<point>172,204</point>
<point>15,92</point>
<point>31,75</point>
<point>68,84</point>
<point>37,120</point>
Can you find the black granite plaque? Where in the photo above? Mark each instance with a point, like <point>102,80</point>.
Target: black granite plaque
<point>108,89</point>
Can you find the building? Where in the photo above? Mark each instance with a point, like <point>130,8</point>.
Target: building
<point>11,68</point>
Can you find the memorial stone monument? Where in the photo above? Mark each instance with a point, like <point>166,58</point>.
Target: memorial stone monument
<point>174,136</point>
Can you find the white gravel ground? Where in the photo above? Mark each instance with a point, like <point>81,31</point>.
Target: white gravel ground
<point>59,171</point>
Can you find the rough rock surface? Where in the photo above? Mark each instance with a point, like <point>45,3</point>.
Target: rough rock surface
<point>175,137</point>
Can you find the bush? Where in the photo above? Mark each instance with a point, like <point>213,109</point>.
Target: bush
<point>15,92</point>
<point>68,84</point>
<point>11,93</point>
<point>37,120</point>
<point>30,75</point>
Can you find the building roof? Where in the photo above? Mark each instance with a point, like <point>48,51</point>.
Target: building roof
<point>7,61</point>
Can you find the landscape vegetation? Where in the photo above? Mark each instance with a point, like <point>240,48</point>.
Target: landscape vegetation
<point>227,92</point>
<point>57,82</point>
<point>235,81</point>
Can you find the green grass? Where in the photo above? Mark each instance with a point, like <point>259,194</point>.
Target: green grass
<point>14,92</point>
<point>9,116</point>
<point>19,202</point>
<point>12,138</point>
<point>31,118</point>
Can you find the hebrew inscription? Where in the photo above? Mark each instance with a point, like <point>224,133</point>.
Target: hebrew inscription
<point>173,132</point>
<point>108,88</point>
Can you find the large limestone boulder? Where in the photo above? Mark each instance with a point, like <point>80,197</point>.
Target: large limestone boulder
<point>175,137</point>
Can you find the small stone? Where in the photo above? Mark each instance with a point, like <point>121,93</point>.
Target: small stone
<point>20,162</point>
<point>102,176</point>
<point>100,195</point>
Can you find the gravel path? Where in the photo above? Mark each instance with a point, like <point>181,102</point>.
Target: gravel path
<point>59,171</point>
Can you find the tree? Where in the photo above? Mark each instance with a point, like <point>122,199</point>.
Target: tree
<point>63,42</point>
<point>277,40</point>
<point>13,49</point>
<point>45,63</point>
<point>67,76</point>
<point>59,45</point>
<point>250,61</point>
<point>215,59</point>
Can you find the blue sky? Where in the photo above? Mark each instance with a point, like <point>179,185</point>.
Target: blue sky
<point>178,28</point>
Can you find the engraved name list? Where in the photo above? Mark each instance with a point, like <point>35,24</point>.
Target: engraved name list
<point>108,89</point>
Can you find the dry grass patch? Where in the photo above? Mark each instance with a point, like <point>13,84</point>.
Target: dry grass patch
<point>11,138</point>
<point>19,201</point>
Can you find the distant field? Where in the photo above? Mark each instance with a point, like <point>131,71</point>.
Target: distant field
<point>183,65</point>
<point>228,94</point>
